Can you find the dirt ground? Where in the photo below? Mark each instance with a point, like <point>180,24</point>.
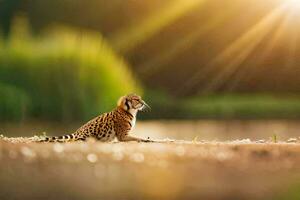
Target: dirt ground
<point>241,169</point>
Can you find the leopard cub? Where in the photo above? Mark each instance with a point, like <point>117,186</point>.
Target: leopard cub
<point>108,126</point>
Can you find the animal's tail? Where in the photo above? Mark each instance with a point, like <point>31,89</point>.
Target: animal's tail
<point>63,138</point>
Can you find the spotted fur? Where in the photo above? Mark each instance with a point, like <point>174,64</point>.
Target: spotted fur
<point>108,126</point>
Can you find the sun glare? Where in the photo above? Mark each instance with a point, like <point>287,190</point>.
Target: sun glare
<point>293,13</point>
<point>294,2</point>
<point>294,5</point>
<point>279,27</point>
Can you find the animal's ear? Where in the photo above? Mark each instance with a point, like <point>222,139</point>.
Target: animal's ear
<point>121,101</point>
<point>124,103</point>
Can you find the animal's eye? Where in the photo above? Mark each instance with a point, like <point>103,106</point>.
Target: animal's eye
<point>135,101</point>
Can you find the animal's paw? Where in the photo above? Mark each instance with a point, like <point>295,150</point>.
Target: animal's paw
<point>147,140</point>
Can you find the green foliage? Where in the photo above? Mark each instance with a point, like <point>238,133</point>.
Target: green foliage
<point>274,138</point>
<point>289,192</point>
<point>223,106</point>
<point>14,103</point>
<point>245,106</point>
<point>66,75</point>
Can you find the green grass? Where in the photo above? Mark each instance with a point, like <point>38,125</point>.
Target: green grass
<point>14,103</point>
<point>63,75</point>
<point>224,106</point>
<point>289,192</point>
<point>245,106</point>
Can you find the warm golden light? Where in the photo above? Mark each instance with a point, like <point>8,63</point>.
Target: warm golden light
<point>293,7</point>
<point>294,3</point>
<point>279,28</point>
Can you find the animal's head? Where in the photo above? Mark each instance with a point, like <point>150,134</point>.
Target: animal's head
<point>132,103</point>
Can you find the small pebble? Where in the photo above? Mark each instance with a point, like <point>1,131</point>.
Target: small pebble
<point>292,140</point>
<point>92,157</point>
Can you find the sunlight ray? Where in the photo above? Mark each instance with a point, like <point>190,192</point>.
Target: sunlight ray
<point>240,48</point>
<point>182,44</point>
<point>276,37</point>
<point>127,39</point>
<point>283,29</point>
<point>246,72</point>
<point>292,43</point>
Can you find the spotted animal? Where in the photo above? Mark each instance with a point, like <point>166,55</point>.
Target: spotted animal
<point>108,126</point>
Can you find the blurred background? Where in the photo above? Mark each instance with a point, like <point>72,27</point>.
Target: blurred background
<point>220,69</point>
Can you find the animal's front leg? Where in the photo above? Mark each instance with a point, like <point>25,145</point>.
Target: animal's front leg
<point>128,138</point>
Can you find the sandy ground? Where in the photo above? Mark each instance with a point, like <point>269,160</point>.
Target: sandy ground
<point>241,169</point>
<point>215,164</point>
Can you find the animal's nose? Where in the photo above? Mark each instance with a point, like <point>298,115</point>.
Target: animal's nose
<point>146,107</point>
